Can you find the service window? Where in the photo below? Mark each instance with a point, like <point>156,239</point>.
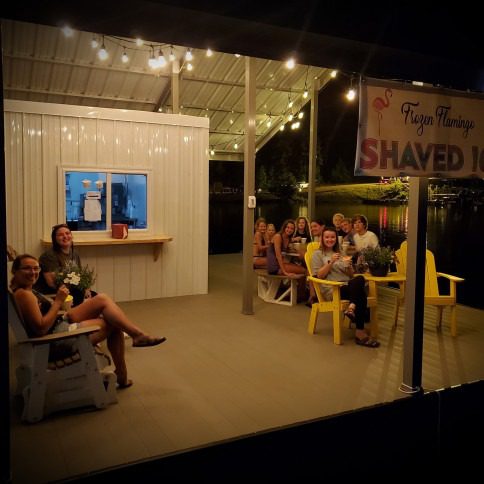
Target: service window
<point>94,200</point>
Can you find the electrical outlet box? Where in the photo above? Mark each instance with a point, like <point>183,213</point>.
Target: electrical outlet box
<point>251,202</point>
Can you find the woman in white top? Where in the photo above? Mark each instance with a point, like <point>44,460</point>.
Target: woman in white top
<point>328,263</point>
<point>362,236</point>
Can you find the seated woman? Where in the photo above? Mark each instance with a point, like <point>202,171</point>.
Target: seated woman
<point>327,263</point>
<point>61,255</point>
<point>270,232</point>
<point>316,228</point>
<point>260,244</point>
<point>302,230</point>
<point>279,263</point>
<point>41,315</point>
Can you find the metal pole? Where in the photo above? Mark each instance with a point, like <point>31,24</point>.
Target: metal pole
<point>313,147</point>
<point>415,286</point>
<point>249,185</point>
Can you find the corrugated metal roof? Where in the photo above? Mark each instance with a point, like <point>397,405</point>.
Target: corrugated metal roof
<point>42,64</point>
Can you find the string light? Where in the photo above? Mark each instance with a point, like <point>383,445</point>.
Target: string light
<point>102,52</point>
<point>306,93</point>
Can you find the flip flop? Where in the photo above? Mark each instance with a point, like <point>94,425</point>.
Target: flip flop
<point>126,384</point>
<point>368,342</point>
<point>148,341</point>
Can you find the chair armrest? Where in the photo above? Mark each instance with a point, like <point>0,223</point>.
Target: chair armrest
<point>49,338</point>
<point>451,278</point>
<point>325,282</point>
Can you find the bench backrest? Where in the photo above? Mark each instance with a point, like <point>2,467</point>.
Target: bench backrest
<point>15,319</point>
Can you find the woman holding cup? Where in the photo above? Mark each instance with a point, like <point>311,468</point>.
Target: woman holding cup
<point>328,263</point>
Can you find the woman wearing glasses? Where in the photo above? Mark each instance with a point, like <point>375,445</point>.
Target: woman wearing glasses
<point>42,316</point>
<point>61,255</point>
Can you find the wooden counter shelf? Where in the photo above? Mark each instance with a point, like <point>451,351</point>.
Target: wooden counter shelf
<point>155,240</point>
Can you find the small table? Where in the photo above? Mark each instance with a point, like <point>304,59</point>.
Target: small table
<point>372,292</point>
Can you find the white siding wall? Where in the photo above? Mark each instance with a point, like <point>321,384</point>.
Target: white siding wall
<point>42,138</point>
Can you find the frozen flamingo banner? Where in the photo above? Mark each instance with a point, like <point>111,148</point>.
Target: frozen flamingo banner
<point>406,130</point>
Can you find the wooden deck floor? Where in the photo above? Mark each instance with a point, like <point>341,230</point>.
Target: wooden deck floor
<point>222,374</point>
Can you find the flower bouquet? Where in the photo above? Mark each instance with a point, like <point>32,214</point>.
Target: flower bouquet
<point>74,276</point>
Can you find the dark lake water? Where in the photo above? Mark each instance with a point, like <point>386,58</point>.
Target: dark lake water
<point>454,234</point>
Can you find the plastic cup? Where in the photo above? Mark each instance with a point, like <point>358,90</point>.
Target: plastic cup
<point>303,240</point>
<point>67,304</point>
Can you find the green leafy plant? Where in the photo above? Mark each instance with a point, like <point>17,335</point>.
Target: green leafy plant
<point>74,276</point>
<point>378,257</point>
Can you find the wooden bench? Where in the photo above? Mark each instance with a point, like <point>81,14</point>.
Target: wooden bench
<point>272,288</point>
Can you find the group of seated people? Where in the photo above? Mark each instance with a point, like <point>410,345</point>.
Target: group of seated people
<point>339,245</point>
<point>34,278</point>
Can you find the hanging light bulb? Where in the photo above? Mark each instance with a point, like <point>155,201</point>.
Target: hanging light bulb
<point>305,93</point>
<point>282,127</point>
<point>171,57</point>
<point>209,52</point>
<point>102,53</point>
<point>290,63</point>
<point>334,73</point>
<point>235,146</point>
<point>300,115</point>
<point>139,42</point>
<point>189,66</point>
<point>67,31</point>
<point>124,57</point>
<point>212,151</point>
<point>351,94</point>
<point>269,121</point>
<point>189,55</point>
<point>94,42</point>
<point>161,59</point>
<point>153,61</point>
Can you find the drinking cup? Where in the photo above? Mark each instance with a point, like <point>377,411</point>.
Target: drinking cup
<point>67,304</point>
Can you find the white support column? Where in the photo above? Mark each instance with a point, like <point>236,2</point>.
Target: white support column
<point>175,86</point>
<point>313,149</point>
<point>249,185</point>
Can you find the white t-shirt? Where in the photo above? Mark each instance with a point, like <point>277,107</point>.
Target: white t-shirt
<point>368,239</point>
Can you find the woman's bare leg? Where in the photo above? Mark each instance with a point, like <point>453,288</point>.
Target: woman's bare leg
<point>113,316</point>
<point>115,343</point>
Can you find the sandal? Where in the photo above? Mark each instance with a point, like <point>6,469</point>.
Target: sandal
<point>350,314</point>
<point>368,342</point>
<point>144,341</point>
<point>124,385</point>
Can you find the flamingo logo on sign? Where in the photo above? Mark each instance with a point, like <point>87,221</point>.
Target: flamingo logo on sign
<point>379,104</point>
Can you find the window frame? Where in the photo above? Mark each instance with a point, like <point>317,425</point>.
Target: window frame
<point>62,209</point>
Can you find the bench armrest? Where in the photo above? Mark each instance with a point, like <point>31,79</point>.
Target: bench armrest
<point>325,282</point>
<point>451,278</point>
<point>49,338</point>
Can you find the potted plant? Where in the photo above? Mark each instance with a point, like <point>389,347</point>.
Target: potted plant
<point>378,260</point>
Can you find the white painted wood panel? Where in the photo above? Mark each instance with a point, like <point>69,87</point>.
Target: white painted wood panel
<point>123,144</point>
<point>88,142</point>
<point>41,139</point>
